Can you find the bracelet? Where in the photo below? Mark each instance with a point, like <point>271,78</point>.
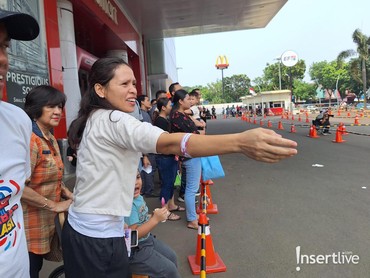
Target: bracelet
<point>184,145</point>
<point>46,203</point>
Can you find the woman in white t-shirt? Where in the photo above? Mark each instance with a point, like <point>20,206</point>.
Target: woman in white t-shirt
<point>109,143</point>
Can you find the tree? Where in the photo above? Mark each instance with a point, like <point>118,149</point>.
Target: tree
<point>271,74</point>
<point>236,86</point>
<point>304,90</point>
<point>328,75</point>
<point>362,41</point>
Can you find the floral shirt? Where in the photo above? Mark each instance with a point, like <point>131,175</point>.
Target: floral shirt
<point>181,122</point>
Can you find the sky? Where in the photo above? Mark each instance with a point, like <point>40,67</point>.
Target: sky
<point>316,30</point>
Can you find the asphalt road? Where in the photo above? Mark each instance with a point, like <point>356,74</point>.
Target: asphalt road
<point>267,210</point>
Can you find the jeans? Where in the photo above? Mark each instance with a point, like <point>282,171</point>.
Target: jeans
<point>154,258</point>
<point>148,179</point>
<point>193,171</point>
<point>167,167</point>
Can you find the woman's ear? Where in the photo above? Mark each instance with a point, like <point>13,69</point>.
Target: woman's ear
<point>99,90</point>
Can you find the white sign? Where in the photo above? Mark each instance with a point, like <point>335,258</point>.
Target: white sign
<point>289,58</point>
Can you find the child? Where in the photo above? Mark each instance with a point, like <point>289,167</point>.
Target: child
<point>151,257</point>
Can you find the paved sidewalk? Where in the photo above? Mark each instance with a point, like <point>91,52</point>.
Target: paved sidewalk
<point>267,210</point>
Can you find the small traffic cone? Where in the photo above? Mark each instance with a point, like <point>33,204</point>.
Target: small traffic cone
<point>292,128</point>
<point>361,114</point>
<point>261,122</point>
<point>349,114</point>
<point>210,206</point>
<point>282,116</point>
<point>343,129</point>
<point>313,132</point>
<point>280,125</point>
<point>206,259</point>
<point>338,136</point>
<point>357,122</point>
<point>338,114</point>
<point>299,118</point>
<point>269,124</point>
<point>292,117</point>
<point>254,121</point>
<point>307,120</point>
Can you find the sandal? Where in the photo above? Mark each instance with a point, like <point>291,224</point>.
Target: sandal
<point>173,217</point>
<point>178,208</point>
<point>192,225</point>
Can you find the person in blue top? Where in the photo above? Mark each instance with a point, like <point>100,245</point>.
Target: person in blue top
<point>151,257</point>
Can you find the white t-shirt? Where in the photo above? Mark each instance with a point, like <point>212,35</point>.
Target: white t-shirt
<point>16,129</point>
<point>107,161</point>
<point>195,111</point>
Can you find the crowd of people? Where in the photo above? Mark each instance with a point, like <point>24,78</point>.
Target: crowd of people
<point>116,154</point>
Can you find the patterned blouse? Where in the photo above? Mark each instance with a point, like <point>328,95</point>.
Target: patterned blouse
<point>46,179</point>
<point>181,122</point>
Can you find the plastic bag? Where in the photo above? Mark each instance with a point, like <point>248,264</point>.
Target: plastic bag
<point>211,168</point>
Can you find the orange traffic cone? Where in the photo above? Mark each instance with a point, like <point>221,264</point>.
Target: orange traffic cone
<point>280,125</point>
<point>254,121</point>
<point>210,206</point>
<point>343,129</point>
<point>357,122</point>
<point>292,117</point>
<point>261,122</point>
<point>269,124</point>
<point>292,128</point>
<point>264,115</point>
<point>307,120</point>
<point>205,256</point>
<point>338,114</point>
<point>338,136</point>
<point>349,114</point>
<point>313,132</point>
<point>299,118</point>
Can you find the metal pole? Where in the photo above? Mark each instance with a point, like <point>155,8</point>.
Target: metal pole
<point>279,74</point>
<point>223,86</point>
<point>291,88</point>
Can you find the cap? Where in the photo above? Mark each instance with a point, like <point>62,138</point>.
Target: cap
<point>19,26</point>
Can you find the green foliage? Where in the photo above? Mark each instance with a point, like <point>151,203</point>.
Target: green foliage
<point>327,74</point>
<point>271,75</point>
<point>358,67</point>
<point>304,90</point>
<point>236,86</point>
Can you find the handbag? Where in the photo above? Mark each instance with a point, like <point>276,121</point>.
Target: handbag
<point>56,254</point>
<point>211,167</point>
<point>178,179</point>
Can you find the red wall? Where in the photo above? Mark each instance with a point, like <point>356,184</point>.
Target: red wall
<point>54,57</point>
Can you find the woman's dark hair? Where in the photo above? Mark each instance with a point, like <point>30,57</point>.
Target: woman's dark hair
<point>179,95</point>
<point>102,71</point>
<point>40,97</point>
<point>162,102</point>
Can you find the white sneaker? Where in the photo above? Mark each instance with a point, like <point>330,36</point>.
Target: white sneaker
<point>181,199</point>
